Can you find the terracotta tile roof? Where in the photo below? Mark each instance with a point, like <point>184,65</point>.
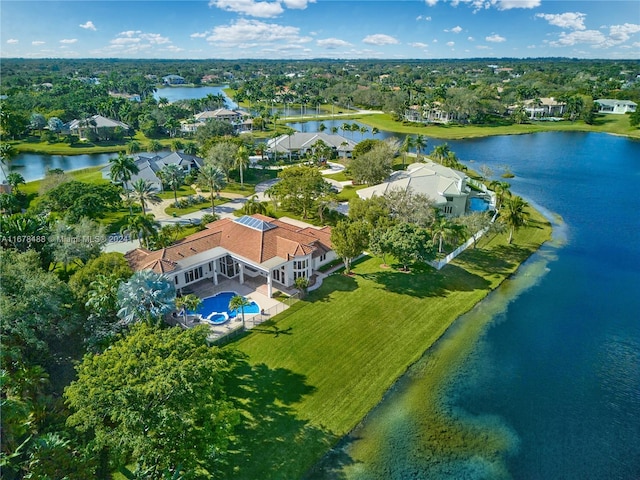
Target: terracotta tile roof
<point>275,239</point>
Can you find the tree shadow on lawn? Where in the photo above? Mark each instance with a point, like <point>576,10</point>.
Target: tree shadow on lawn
<point>272,442</point>
<point>498,260</point>
<point>423,281</point>
<point>336,282</point>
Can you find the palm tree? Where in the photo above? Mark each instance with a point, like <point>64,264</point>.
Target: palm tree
<point>14,179</point>
<point>440,152</point>
<point>239,302</point>
<point>186,303</point>
<point>444,230</point>
<point>375,131</point>
<point>253,206</point>
<point>147,296</point>
<point>515,214</point>
<point>122,169</point>
<point>173,176</point>
<point>242,161</point>
<point>322,127</point>
<point>501,190</point>
<point>420,143</point>
<point>211,177</point>
<point>141,227</point>
<point>191,148</point>
<point>144,191</point>
<point>154,146</point>
<point>363,130</point>
<point>407,145</point>
<point>133,147</point>
<point>7,153</point>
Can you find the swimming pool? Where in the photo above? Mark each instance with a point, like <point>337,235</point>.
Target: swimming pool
<point>477,204</point>
<point>216,310</point>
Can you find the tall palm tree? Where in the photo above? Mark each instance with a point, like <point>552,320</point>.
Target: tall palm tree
<point>147,296</point>
<point>242,161</point>
<point>322,127</point>
<point>501,190</point>
<point>173,176</point>
<point>375,131</point>
<point>239,302</point>
<point>122,169</point>
<point>7,153</point>
<point>144,191</point>
<point>407,145</point>
<point>186,303</point>
<point>420,143</point>
<point>363,130</point>
<point>211,177</point>
<point>444,230</point>
<point>440,152</point>
<point>191,148</point>
<point>154,146</point>
<point>515,214</point>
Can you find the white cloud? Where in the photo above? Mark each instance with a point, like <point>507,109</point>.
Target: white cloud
<point>129,33</point>
<point>431,3</point>
<point>418,45</point>
<point>495,38</point>
<point>124,41</point>
<point>297,4</point>
<point>69,40</point>
<point>12,41</point>
<point>249,7</point>
<point>570,20</point>
<point>199,35</point>
<point>331,43</point>
<point>621,33</point>
<point>38,42</point>
<point>380,39</point>
<point>593,37</point>
<point>499,4</point>
<point>244,33</point>
<point>155,38</point>
<point>426,19</point>
<point>471,39</point>
<point>450,44</point>
<point>456,29</point>
<point>88,26</point>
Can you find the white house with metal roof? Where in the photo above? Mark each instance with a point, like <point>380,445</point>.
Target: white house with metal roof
<point>445,186</point>
<point>607,105</point>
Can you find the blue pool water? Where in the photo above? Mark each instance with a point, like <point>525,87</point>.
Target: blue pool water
<point>220,303</point>
<point>478,205</point>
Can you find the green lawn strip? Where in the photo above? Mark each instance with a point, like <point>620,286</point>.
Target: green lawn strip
<point>183,191</point>
<point>356,335</point>
<point>616,124</point>
<point>339,177</point>
<point>197,207</point>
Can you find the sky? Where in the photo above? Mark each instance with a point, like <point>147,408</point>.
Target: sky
<point>302,29</point>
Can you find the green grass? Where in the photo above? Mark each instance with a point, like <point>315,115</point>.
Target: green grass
<point>338,177</point>
<point>343,347</point>
<point>615,124</point>
<point>183,191</point>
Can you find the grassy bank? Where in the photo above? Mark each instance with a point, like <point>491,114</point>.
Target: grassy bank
<point>352,338</point>
<point>614,124</point>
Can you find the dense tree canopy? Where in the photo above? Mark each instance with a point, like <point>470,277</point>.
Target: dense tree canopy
<point>155,399</point>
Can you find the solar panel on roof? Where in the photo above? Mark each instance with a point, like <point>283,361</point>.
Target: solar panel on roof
<point>255,223</point>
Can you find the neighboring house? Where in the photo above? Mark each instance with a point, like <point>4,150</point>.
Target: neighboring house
<point>149,164</point>
<point>240,120</point>
<point>541,107</point>
<point>173,80</point>
<point>299,143</point>
<point>606,105</point>
<point>270,251</point>
<point>103,127</point>
<point>133,97</point>
<point>431,114</point>
<point>445,186</point>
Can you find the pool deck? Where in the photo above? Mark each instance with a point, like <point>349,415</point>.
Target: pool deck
<point>206,288</point>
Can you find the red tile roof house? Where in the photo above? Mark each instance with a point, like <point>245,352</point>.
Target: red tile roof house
<point>254,246</point>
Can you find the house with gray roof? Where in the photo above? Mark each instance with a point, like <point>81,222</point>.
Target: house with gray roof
<point>103,127</point>
<point>149,164</point>
<point>241,120</point>
<point>445,186</point>
<point>299,143</point>
<point>607,105</point>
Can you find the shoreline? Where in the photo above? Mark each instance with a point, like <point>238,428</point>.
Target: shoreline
<point>446,356</point>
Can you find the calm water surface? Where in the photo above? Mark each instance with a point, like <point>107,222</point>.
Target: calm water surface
<point>190,93</point>
<point>554,376</point>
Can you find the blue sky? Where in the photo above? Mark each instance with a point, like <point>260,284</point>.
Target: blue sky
<point>298,29</point>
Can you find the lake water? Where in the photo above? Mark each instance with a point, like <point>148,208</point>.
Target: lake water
<point>33,166</point>
<point>190,93</point>
<point>550,386</point>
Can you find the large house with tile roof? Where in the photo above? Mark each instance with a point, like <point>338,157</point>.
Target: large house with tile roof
<point>241,120</point>
<point>445,186</point>
<point>103,127</point>
<point>257,246</point>
<point>299,143</point>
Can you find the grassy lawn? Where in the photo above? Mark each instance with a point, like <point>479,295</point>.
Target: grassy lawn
<point>335,354</point>
<point>617,124</point>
